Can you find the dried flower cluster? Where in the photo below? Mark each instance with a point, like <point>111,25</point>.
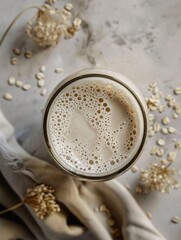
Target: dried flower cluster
<point>159,178</point>
<point>41,198</point>
<point>50,24</point>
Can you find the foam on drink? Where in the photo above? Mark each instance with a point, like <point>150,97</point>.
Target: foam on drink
<point>95,126</point>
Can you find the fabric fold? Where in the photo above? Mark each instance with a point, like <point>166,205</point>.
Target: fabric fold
<point>106,209</point>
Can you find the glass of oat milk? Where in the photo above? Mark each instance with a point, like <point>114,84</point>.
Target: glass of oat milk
<point>95,124</point>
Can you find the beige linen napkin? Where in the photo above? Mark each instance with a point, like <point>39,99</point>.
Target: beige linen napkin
<point>106,209</point>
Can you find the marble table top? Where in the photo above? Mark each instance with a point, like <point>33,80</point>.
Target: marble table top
<point>138,38</point>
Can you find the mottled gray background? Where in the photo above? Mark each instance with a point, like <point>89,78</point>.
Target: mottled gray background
<point>138,38</point>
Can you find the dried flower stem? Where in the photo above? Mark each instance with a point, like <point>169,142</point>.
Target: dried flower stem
<point>41,198</point>
<point>14,20</point>
<point>12,208</point>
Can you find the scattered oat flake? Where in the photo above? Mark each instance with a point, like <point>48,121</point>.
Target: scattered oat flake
<point>134,169</point>
<point>160,142</point>
<point>77,22</point>
<point>51,1</point>
<point>26,87</point>
<point>177,108</point>
<point>171,156</point>
<point>40,83</point>
<point>8,96</point>
<point>11,80</point>
<point>153,150</point>
<point>28,54</point>
<point>165,162</point>
<point>58,70</point>
<point>16,51</point>
<point>39,76</point>
<point>156,127</point>
<point>19,84</point>
<point>68,7</point>
<point>159,152</point>
<point>151,117</point>
<point>177,90</point>
<point>43,92</point>
<point>152,103</point>
<point>175,219</point>
<point>168,97</point>
<point>175,116</point>
<point>42,68</point>
<point>151,133</point>
<point>14,60</point>
<point>178,145</point>
<point>164,130</point>
<point>171,130</point>
<point>165,120</point>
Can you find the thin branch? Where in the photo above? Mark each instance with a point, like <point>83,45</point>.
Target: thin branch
<point>14,20</point>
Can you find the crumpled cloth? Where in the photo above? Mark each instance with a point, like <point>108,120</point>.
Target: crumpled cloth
<point>79,201</point>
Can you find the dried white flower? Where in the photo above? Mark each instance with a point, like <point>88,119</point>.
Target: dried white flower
<point>50,24</point>
<point>159,178</point>
<point>41,198</point>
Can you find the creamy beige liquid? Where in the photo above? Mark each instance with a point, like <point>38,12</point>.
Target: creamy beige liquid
<point>94,127</point>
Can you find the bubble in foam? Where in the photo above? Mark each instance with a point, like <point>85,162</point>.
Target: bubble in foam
<point>93,126</point>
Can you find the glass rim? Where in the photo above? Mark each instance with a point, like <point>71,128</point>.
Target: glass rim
<point>102,73</point>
